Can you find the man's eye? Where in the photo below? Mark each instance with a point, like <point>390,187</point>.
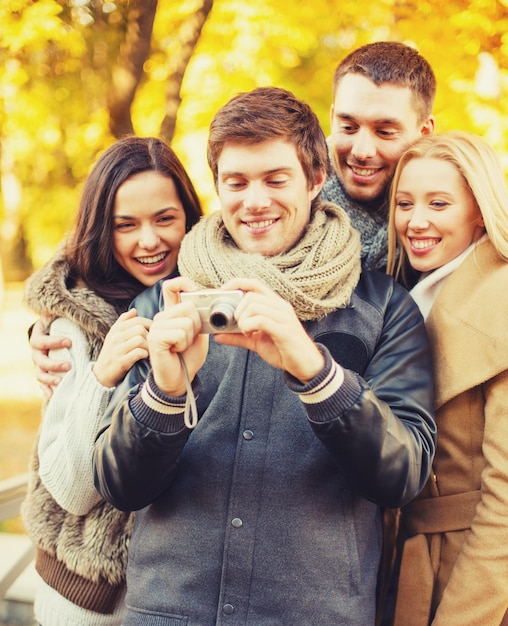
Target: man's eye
<point>234,184</point>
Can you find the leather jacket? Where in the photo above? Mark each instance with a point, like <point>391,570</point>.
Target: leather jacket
<point>305,483</point>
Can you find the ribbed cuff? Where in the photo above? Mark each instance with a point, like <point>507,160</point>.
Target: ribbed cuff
<point>100,597</point>
<point>330,393</point>
<point>154,409</point>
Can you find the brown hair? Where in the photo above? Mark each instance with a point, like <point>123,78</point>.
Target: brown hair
<point>396,64</point>
<point>89,248</point>
<point>270,113</point>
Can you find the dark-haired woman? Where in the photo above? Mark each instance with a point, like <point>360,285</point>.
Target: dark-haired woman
<point>136,206</point>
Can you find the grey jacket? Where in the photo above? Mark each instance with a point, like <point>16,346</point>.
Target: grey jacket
<point>268,513</point>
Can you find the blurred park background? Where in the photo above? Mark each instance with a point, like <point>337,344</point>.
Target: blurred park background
<point>76,74</point>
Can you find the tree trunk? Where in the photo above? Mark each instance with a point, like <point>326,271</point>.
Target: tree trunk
<point>127,72</point>
<point>187,37</point>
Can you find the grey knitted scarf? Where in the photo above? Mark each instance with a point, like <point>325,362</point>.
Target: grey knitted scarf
<point>372,225</point>
<point>317,275</point>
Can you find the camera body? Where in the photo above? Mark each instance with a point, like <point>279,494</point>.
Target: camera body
<point>216,309</point>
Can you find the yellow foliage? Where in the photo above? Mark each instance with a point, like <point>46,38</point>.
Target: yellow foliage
<point>56,61</point>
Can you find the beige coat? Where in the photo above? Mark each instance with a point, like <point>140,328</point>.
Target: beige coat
<point>456,558</point>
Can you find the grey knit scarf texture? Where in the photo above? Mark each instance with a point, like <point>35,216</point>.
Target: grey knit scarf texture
<point>317,275</point>
<point>372,225</point>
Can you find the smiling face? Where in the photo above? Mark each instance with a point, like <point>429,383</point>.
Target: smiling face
<point>436,217</point>
<point>372,125</point>
<point>149,225</point>
<point>264,195</point>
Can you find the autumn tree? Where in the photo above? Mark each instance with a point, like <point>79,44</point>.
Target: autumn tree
<point>128,68</point>
<point>87,61</point>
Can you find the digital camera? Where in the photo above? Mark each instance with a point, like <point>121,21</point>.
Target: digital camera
<point>216,309</point>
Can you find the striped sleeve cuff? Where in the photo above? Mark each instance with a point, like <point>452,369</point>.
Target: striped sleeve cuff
<point>154,409</point>
<point>332,392</point>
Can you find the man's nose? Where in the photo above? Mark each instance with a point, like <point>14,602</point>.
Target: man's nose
<point>364,146</point>
<point>256,197</point>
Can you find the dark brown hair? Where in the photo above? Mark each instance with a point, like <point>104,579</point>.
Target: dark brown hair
<point>270,113</point>
<point>396,64</point>
<point>90,246</point>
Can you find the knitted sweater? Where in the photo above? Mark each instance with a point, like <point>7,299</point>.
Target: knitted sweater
<point>81,541</point>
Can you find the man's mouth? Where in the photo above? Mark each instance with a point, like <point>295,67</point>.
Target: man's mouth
<point>363,171</point>
<point>152,260</point>
<point>261,223</point>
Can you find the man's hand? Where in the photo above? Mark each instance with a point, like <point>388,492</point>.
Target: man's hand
<point>271,328</point>
<point>125,343</point>
<point>48,372</point>
<point>176,330</point>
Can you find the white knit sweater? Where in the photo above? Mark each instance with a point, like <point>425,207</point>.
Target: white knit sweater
<point>52,609</point>
<point>68,431</point>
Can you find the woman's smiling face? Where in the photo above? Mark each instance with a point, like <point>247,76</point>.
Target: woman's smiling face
<point>436,216</point>
<point>149,225</point>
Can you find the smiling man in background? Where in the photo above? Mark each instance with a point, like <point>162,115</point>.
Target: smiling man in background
<point>383,94</point>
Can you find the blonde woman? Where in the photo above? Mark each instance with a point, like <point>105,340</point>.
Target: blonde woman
<point>449,222</point>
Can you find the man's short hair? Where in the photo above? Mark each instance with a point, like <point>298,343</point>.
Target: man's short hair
<point>393,63</point>
<point>270,113</point>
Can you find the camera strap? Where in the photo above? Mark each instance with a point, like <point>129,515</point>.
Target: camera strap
<point>190,415</point>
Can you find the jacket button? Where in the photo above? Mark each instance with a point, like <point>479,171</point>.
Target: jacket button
<point>228,609</point>
<point>237,522</point>
<point>248,434</point>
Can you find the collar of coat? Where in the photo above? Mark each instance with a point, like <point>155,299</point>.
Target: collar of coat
<point>467,324</point>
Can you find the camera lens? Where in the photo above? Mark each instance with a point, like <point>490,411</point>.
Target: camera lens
<point>222,315</point>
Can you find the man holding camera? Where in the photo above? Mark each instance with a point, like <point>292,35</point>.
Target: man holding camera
<point>315,412</point>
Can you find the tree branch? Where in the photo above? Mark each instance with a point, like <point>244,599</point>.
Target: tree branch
<point>187,38</point>
<point>128,70</point>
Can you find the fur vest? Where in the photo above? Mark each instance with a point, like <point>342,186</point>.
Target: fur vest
<point>82,557</point>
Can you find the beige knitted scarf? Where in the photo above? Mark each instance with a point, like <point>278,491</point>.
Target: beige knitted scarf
<point>317,275</point>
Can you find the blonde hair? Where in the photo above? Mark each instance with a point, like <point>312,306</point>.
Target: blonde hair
<point>479,166</point>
